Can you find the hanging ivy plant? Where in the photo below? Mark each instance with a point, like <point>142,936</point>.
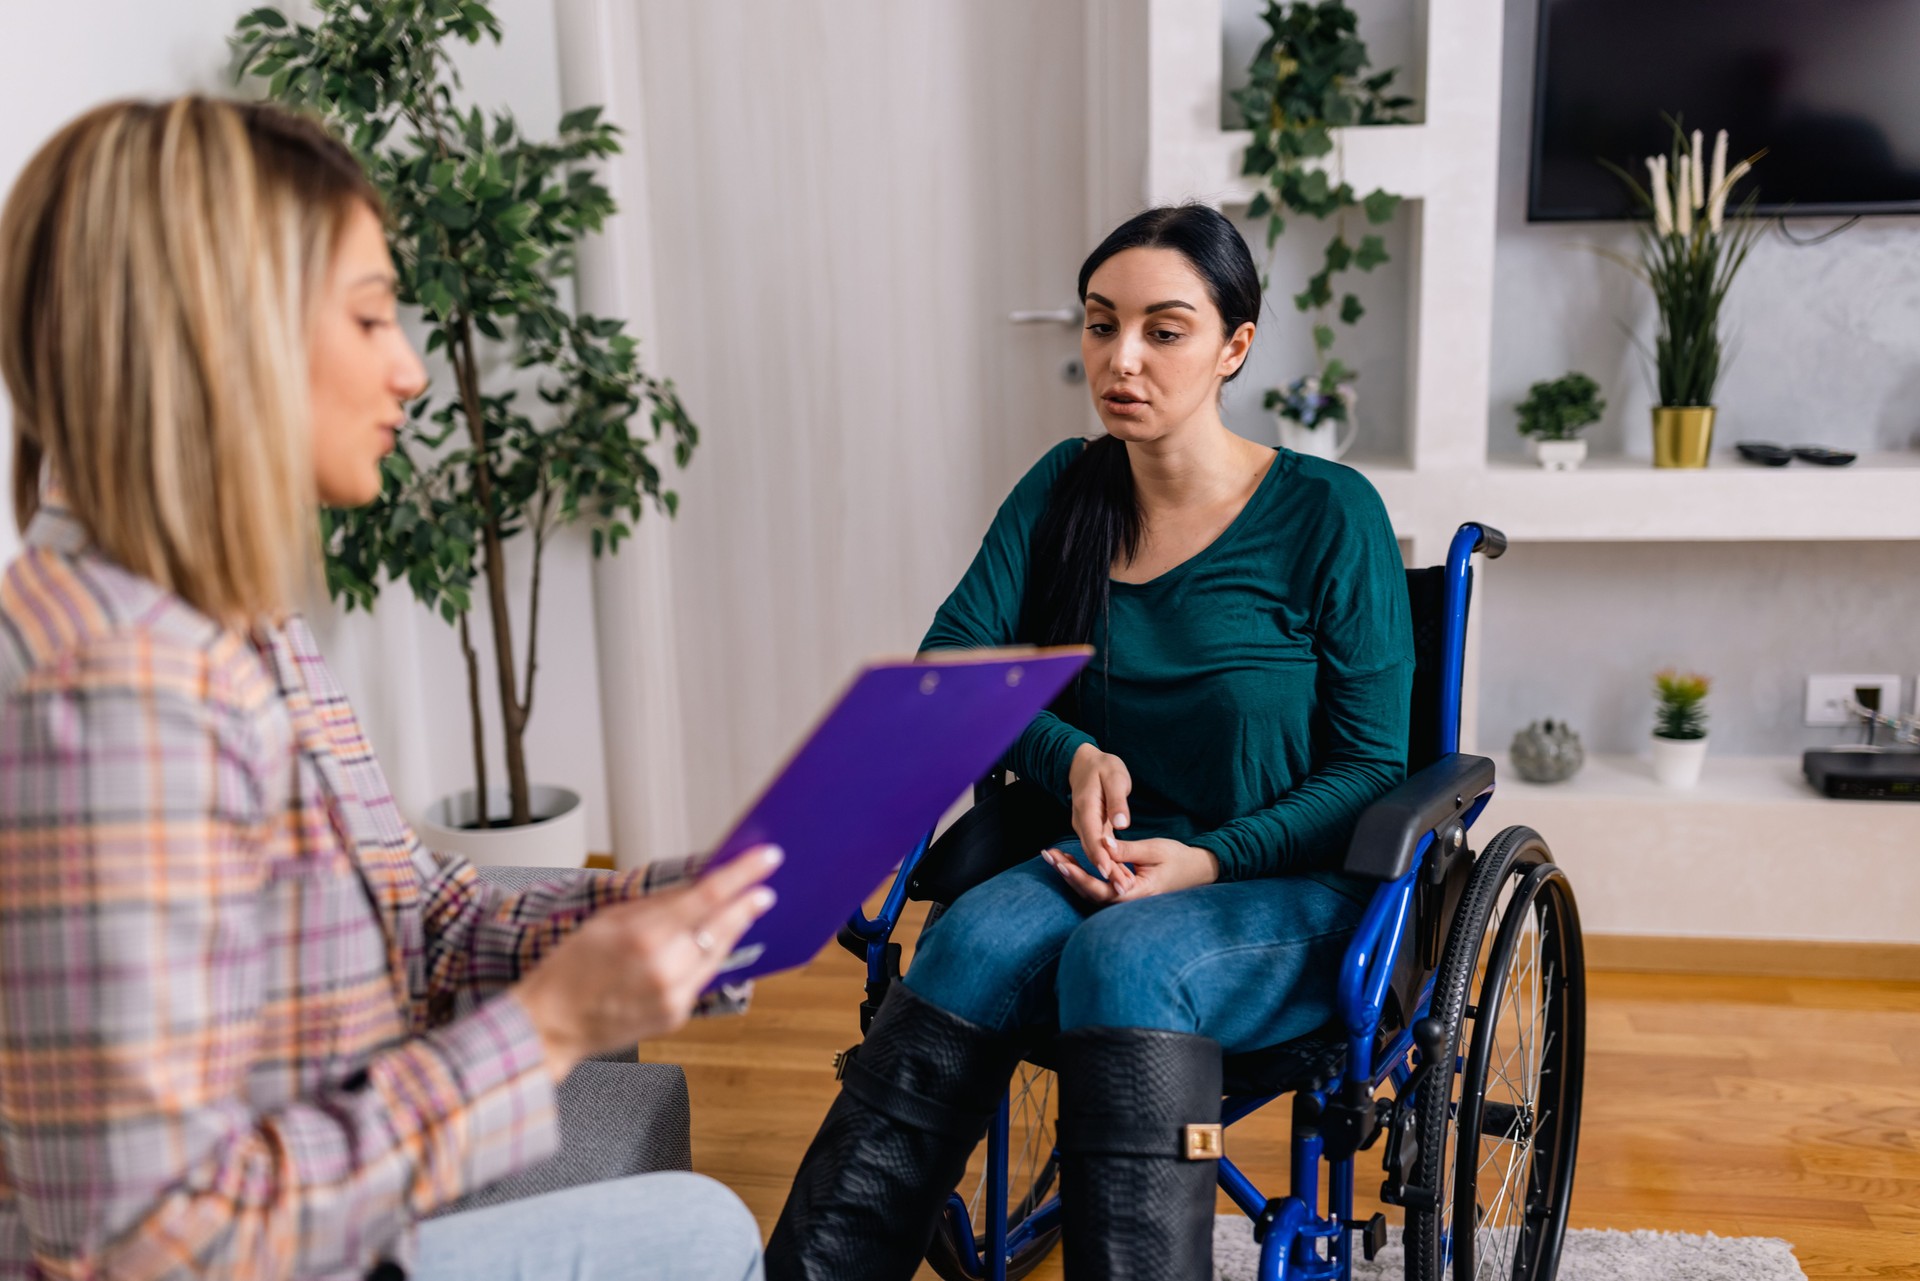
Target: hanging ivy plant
<point>1308,79</point>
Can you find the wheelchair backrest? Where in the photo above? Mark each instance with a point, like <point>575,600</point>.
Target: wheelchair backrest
<point>1427,602</point>
<point>1438,894</point>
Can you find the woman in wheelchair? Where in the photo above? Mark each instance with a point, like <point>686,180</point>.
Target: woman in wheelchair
<point>1248,700</point>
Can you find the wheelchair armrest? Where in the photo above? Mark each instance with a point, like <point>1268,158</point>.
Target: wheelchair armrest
<point>1009,825</point>
<point>1390,830</point>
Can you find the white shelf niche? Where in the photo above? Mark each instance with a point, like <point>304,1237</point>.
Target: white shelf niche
<point>1447,166</point>
<point>1752,853</point>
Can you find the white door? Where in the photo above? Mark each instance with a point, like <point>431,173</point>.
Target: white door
<point>848,199</point>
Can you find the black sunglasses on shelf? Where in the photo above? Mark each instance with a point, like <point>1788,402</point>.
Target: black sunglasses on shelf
<point>1755,451</point>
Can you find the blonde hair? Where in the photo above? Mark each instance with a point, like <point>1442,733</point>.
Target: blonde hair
<point>158,264</point>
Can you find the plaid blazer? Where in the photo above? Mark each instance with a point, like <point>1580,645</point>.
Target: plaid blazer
<point>227,966</point>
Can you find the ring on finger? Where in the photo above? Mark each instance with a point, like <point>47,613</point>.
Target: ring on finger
<point>703,940</point>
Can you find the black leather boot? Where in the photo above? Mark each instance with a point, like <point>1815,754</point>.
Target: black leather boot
<point>1139,1137</point>
<point>915,1099</point>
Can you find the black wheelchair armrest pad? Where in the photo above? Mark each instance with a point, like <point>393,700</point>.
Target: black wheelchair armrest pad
<point>1389,832</point>
<point>1009,826</point>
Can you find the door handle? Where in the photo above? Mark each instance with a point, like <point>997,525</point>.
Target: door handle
<point>1057,316</point>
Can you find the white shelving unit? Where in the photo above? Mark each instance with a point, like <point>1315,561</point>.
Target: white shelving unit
<point>1625,500</point>
<point>1711,862</point>
<point>1754,853</point>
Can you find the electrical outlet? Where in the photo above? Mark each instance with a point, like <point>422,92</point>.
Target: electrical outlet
<point>1827,697</point>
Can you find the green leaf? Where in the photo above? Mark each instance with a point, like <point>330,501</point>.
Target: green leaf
<point>1260,206</point>
<point>1380,207</point>
<point>1372,252</point>
<point>579,119</point>
<point>1351,310</point>
<point>1322,337</point>
<point>266,17</point>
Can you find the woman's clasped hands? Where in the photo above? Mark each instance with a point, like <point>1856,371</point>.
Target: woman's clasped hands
<point>1130,869</point>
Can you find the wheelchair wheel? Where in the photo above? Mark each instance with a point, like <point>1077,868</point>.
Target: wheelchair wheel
<point>1032,1172</point>
<point>1498,1135</point>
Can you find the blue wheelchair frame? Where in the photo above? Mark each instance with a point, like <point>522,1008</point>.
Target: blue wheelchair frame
<point>1293,1225</point>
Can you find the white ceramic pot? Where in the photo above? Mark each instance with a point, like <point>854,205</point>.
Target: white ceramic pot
<point>557,837</point>
<point>1558,455</point>
<point>1328,441</point>
<point>1677,761</point>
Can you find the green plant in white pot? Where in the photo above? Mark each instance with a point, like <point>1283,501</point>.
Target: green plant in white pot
<point>1554,414</point>
<point>1680,727</point>
<point>483,223</point>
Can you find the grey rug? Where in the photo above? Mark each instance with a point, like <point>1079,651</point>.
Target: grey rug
<point>1589,1255</point>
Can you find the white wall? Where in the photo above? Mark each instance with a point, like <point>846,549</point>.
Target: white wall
<point>848,196</point>
<point>403,667</point>
<point>1825,340</point>
<point>1826,347</point>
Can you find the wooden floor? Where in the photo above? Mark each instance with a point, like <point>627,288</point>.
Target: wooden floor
<point>1748,1107</point>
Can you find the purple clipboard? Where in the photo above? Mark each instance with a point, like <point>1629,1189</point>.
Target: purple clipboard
<point>899,747</point>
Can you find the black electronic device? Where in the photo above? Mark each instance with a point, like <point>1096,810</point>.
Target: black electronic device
<point>1864,774</point>
<point>1766,455</point>
<point>1826,89</point>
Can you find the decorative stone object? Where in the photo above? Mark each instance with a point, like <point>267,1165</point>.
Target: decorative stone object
<point>1547,752</point>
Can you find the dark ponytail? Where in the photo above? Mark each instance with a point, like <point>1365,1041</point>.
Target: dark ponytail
<point>1093,516</point>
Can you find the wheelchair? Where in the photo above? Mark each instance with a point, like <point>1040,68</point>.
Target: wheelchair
<point>1458,1046</point>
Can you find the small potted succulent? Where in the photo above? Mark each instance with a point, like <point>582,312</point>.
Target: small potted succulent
<point>1553,415</point>
<point>1680,727</point>
<point>1316,412</point>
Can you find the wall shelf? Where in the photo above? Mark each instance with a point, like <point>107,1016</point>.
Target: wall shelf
<point>1628,500</point>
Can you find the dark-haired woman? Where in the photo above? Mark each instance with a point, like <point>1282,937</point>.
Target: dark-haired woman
<point>1248,700</point>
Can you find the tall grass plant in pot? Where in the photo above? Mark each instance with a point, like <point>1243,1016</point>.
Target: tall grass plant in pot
<point>1690,252</point>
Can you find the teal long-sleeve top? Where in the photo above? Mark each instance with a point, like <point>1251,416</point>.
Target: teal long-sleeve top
<point>1258,692</point>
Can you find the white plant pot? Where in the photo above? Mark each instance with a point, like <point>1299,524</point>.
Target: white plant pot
<point>1328,440</point>
<point>1677,761</point>
<point>557,837</point>
<point>1558,455</point>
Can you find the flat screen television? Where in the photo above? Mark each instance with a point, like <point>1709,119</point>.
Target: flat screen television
<point>1831,88</point>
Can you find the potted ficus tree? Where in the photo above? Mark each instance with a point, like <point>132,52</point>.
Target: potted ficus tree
<point>483,224</point>
<point>1309,79</point>
<point>1680,727</point>
<point>1553,415</point>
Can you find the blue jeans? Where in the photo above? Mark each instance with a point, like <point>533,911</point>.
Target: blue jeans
<point>649,1227</point>
<point>1248,963</point>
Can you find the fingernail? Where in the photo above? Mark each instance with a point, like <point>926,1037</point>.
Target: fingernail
<point>763,898</point>
<point>1119,820</point>
<point>773,856</point>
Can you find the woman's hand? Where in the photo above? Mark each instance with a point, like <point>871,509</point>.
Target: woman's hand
<point>633,971</point>
<point>1161,866</point>
<point>1101,785</point>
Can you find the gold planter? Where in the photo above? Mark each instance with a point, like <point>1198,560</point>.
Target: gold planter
<point>1682,435</point>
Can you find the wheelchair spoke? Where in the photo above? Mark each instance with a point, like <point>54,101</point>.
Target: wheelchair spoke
<point>1518,1043</point>
<point>1029,1146</point>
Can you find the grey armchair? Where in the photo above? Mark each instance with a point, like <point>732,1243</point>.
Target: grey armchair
<point>617,1116</point>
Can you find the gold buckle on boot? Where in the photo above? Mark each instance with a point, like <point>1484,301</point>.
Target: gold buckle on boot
<point>1205,1143</point>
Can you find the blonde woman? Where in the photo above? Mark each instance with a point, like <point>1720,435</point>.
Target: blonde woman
<point>225,961</point>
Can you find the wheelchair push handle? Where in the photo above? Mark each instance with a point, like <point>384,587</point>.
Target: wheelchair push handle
<point>1492,542</point>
